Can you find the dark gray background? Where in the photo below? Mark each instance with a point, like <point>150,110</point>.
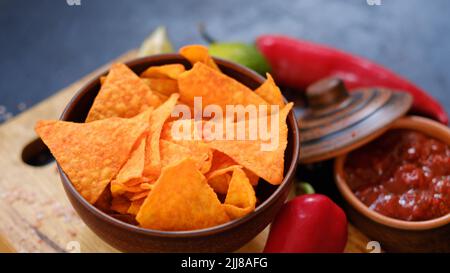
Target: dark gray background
<point>47,44</point>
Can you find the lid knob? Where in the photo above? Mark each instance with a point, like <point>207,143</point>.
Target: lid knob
<point>326,92</point>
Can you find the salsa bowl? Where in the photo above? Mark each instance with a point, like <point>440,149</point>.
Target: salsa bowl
<point>394,234</point>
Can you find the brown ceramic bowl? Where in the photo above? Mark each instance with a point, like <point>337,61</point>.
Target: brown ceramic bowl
<point>393,234</point>
<point>224,238</point>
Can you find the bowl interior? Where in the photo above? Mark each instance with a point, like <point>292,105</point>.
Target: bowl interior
<point>424,125</point>
<point>78,108</point>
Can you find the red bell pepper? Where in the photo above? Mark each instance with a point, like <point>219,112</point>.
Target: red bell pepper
<point>309,223</point>
<point>297,64</point>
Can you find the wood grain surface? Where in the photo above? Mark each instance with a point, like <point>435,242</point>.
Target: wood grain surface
<point>36,216</point>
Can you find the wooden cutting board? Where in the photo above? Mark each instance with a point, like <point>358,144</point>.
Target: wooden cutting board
<point>36,216</point>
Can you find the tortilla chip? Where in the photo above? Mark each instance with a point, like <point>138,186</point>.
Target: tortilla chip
<point>138,181</point>
<point>128,191</point>
<point>221,161</point>
<point>123,94</point>
<point>91,154</point>
<point>172,152</point>
<point>181,200</point>
<point>220,183</point>
<point>171,71</point>
<point>241,197</point>
<point>138,195</point>
<point>102,79</point>
<point>120,204</point>
<point>134,166</point>
<point>162,87</point>
<point>252,177</point>
<point>135,206</point>
<point>270,92</point>
<point>198,53</point>
<point>217,159</point>
<point>219,179</point>
<point>146,186</point>
<point>266,164</point>
<point>214,88</point>
<point>152,166</point>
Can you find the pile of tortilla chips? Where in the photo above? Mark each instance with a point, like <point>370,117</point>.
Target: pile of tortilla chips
<point>125,160</point>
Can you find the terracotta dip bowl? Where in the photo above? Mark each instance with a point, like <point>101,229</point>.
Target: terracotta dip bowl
<point>393,234</point>
<point>224,238</point>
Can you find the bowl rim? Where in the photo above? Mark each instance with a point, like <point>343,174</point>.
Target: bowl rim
<point>416,123</point>
<point>290,172</point>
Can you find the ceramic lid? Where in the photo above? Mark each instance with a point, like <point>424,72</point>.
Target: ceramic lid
<point>336,121</point>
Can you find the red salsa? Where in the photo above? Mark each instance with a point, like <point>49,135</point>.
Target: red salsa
<point>403,174</point>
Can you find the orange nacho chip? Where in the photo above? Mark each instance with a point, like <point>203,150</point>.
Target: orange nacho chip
<point>266,164</point>
<point>214,88</point>
<point>134,166</point>
<point>120,204</point>
<point>221,161</point>
<point>219,182</point>
<point>270,92</point>
<point>172,152</point>
<point>171,71</point>
<point>140,195</point>
<point>162,87</point>
<point>241,197</point>
<point>181,200</point>
<point>91,154</point>
<point>135,206</point>
<point>152,166</point>
<point>219,179</point>
<point>198,54</point>
<point>138,181</point>
<point>128,191</point>
<point>123,94</point>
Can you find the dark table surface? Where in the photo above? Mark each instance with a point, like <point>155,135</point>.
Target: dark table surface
<point>47,44</point>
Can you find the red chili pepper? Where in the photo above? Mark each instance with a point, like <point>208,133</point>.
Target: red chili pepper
<point>309,223</point>
<point>296,63</point>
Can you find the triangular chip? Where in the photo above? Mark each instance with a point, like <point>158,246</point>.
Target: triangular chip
<point>270,92</point>
<point>217,159</point>
<point>120,204</point>
<point>214,88</point>
<point>181,200</point>
<point>152,167</point>
<point>162,87</point>
<point>241,198</point>
<point>123,94</point>
<point>91,154</point>
<point>139,195</point>
<point>171,71</point>
<point>173,152</point>
<point>129,190</point>
<point>135,206</point>
<point>220,179</point>
<point>198,53</point>
<point>221,161</point>
<point>268,164</point>
<point>134,166</point>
